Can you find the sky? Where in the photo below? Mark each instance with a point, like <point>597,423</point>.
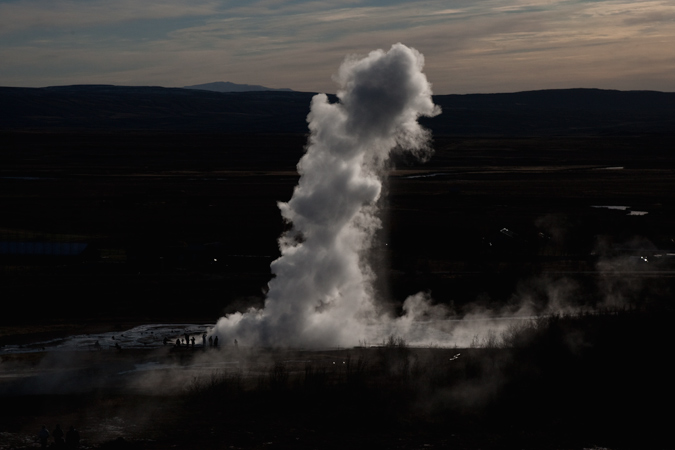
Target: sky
<point>470,46</point>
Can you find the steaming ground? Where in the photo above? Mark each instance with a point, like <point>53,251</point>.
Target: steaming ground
<point>141,337</point>
<point>322,292</point>
<point>138,361</point>
<point>548,390</point>
<point>421,331</point>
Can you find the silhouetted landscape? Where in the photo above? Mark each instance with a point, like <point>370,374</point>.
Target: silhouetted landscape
<point>226,86</point>
<point>124,206</point>
<point>563,112</point>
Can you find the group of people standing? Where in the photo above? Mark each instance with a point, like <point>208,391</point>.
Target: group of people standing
<point>213,342</point>
<point>190,341</point>
<point>71,441</point>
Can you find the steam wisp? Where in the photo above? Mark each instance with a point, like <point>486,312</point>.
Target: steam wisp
<point>322,290</point>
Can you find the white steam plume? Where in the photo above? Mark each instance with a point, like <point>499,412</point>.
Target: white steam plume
<point>322,292</point>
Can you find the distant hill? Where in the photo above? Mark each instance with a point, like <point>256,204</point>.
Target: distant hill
<point>533,113</point>
<point>147,108</point>
<point>226,86</point>
<point>556,112</point>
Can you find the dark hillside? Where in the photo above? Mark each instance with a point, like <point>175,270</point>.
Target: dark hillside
<point>565,112</point>
<point>562,112</point>
<point>226,86</point>
<point>96,107</point>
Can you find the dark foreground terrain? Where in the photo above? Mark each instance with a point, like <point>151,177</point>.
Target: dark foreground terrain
<point>104,230</point>
<point>562,382</point>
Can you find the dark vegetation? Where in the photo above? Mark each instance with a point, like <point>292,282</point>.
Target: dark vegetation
<point>179,217</point>
<point>599,380</point>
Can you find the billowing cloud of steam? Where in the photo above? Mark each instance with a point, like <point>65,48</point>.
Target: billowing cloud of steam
<point>322,293</point>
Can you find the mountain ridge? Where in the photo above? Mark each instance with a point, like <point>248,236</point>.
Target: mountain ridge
<point>550,112</point>
<point>226,86</point>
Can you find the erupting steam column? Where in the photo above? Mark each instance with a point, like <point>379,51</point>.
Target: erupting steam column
<point>322,292</point>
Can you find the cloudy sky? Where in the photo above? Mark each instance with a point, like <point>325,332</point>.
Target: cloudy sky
<point>469,45</point>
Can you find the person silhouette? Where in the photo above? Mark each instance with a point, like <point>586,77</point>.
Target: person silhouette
<point>43,435</point>
<point>72,438</point>
<point>58,436</point>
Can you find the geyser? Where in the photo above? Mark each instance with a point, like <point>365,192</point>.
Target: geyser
<point>322,290</point>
